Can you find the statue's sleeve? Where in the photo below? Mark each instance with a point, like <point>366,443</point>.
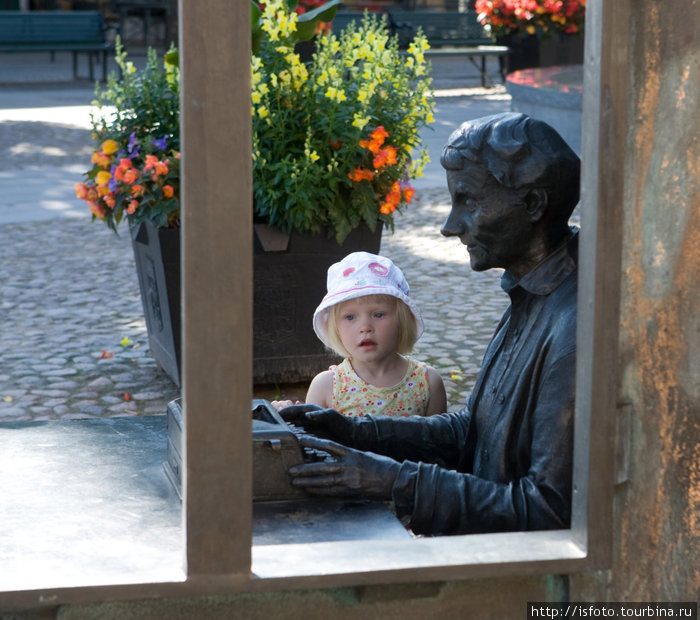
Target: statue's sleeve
<point>439,439</point>
<point>444,500</point>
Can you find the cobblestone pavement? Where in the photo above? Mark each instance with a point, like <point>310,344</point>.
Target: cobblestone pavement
<point>73,342</point>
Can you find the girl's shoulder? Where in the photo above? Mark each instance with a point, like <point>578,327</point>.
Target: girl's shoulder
<point>416,366</point>
<point>320,390</point>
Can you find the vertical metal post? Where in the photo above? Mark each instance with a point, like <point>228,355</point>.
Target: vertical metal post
<point>217,283</point>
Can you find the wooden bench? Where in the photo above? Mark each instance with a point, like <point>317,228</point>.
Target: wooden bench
<point>449,33</point>
<point>57,31</point>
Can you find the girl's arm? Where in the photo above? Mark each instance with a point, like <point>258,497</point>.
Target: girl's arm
<point>321,389</point>
<point>437,403</point>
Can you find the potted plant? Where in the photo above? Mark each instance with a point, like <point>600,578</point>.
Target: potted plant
<point>335,144</point>
<point>135,176</point>
<point>540,33</point>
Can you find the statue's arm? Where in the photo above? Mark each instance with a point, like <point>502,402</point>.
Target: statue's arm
<point>445,501</point>
<point>440,439</point>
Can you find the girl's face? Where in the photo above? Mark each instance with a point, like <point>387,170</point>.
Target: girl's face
<point>368,327</point>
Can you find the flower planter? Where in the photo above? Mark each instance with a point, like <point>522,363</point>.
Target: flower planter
<point>289,282</point>
<point>530,51</point>
<point>157,257</point>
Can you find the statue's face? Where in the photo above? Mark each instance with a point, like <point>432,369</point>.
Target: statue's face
<point>490,220</point>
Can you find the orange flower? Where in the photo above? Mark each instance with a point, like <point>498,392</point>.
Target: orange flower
<point>387,207</point>
<point>369,144</point>
<point>408,192</point>
<point>150,162</point>
<point>360,174</point>
<point>392,199</point>
<point>168,191</point>
<point>125,169</point>
<point>380,134</point>
<point>377,137</point>
<point>131,208</point>
<point>158,167</point>
<point>81,191</point>
<point>137,190</point>
<point>99,158</point>
<point>97,209</point>
<point>109,201</point>
<point>385,157</point>
<point>130,176</point>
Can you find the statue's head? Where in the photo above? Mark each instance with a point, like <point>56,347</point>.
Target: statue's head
<point>514,183</point>
<point>518,152</point>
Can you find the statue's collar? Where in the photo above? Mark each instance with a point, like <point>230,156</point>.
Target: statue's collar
<point>551,272</point>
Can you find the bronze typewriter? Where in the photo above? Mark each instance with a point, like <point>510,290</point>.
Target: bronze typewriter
<point>275,449</point>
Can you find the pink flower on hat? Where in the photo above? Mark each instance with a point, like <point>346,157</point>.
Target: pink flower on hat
<point>377,269</point>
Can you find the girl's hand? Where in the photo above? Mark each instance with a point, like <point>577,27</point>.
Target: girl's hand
<point>281,404</point>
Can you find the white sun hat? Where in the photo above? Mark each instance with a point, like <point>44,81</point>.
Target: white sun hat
<point>360,274</point>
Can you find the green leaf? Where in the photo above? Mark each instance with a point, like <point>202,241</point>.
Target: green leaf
<point>307,22</point>
<point>255,29</point>
<point>172,57</point>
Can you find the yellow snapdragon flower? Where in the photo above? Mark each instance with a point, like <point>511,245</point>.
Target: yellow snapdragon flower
<point>360,121</point>
<point>335,94</point>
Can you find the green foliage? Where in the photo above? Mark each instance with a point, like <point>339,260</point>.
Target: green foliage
<point>336,141</point>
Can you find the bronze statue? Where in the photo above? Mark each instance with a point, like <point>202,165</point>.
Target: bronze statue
<point>503,462</point>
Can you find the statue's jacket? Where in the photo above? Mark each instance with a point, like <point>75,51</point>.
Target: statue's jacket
<point>504,462</point>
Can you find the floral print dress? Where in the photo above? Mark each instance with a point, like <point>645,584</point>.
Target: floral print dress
<point>352,396</point>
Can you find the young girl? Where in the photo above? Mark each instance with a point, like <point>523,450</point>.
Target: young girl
<point>368,318</point>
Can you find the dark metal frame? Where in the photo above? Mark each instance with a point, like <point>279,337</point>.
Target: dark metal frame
<point>216,229</point>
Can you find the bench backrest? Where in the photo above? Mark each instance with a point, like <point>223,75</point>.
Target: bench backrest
<point>440,27</point>
<point>18,27</point>
<point>445,28</point>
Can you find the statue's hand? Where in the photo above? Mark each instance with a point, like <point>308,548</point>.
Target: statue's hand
<point>327,423</point>
<point>353,473</point>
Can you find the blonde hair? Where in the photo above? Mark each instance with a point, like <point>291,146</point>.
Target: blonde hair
<point>408,329</point>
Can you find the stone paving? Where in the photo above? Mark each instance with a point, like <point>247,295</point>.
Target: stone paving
<point>73,342</point>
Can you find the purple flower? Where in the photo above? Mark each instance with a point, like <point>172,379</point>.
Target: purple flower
<point>132,146</point>
<point>112,183</point>
<point>160,143</point>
